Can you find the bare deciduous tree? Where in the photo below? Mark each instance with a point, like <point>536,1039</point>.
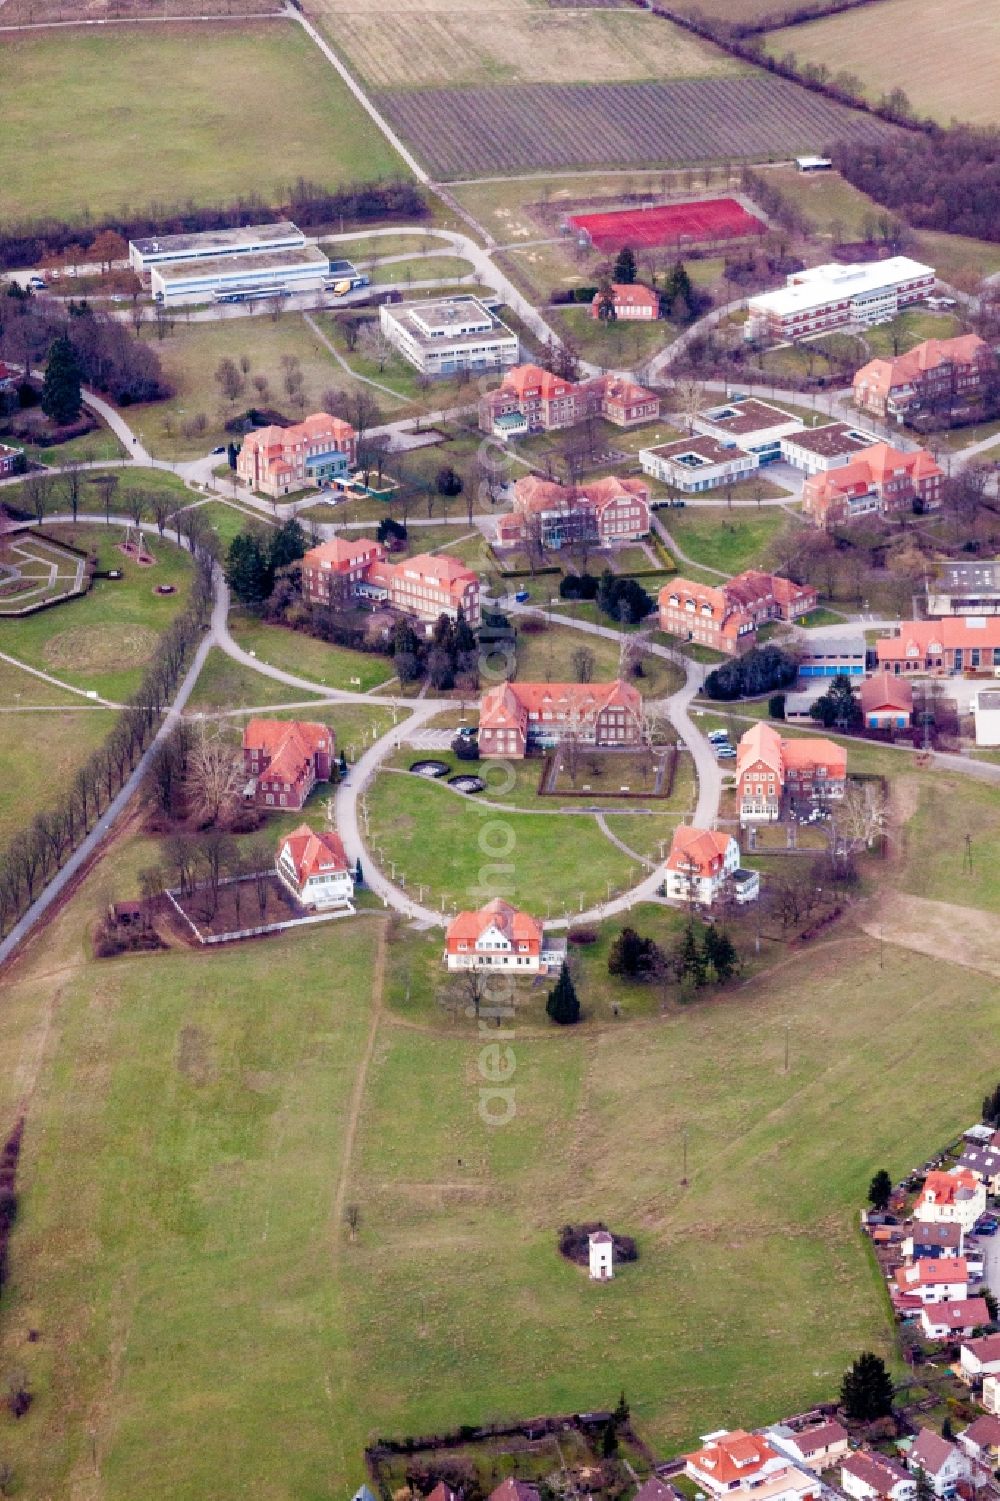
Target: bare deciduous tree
<point>215,775</point>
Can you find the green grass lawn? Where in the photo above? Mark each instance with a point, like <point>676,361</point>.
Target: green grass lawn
<point>952,807</point>
<point>433,835</point>
<point>106,102</point>
<point>623,343</point>
<point>178,1249</point>
<point>191,354</point>
<point>421,268</point>
<point>68,737</point>
<point>549,657</point>
<point>225,684</point>
<point>729,541</point>
<point>227,521</point>
<point>92,448</point>
<point>104,640</point>
<point>332,666</point>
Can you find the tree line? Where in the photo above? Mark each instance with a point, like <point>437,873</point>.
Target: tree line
<point>944,179</point>
<point>36,853</point>
<point>30,241</point>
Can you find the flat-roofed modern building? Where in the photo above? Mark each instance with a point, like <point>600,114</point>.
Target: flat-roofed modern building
<point>957,587</point>
<point>697,463</point>
<point>824,297</point>
<point>263,273</point>
<point>755,426</point>
<point>449,335</point>
<point>817,449</point>
<point>246,239</point>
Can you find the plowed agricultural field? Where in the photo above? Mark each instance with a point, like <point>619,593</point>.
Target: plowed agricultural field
<point>496,130</point>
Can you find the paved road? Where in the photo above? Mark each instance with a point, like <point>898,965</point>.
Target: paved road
<point>60,881</point>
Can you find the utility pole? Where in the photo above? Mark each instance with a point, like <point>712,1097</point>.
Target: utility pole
<point>787,1035</point>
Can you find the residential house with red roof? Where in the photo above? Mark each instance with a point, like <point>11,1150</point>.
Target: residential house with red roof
<point>277,460</point>
<point>726,616</point>
<point>515,718</point>
<point>958,643</point>
<point>514,1490</point>
<point>607,512</point>
<point>867,1475</point>
<point>886,702</point>
<point>533,400</point>
<point>498,936</point>
<point>732,1461</point>
<point>771,770</point>
<point>942,1462</point>
<point>981,1440</point>
<point>936,376</point>
<point>284,759</point>
<point>941,1279</point>
<point>630,300</point>
<point>979,1360</point>
<point>315,869</point>
<point>424,587</point>
<point>955,1320</point>
<point>880,481</point>
<point>702,863</point>
<point>956,1197</point>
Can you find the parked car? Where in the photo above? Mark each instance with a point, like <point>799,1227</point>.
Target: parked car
<point>37,283</point>
<point>988,1225</point>
<point>221,449</point>
<point>725,753</point>
<point>522,596</point>
<point>719,737</point>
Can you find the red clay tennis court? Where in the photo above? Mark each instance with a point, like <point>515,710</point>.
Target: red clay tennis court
<point>664,224</point>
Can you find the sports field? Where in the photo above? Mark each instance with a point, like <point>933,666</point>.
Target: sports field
<point>136,115</point>
<point>497,129</point>
<point>668,223</point>
<point>460,48</point>
<point>950,72</point>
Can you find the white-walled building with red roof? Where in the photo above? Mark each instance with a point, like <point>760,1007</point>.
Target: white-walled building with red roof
<point>284,759</point>
<point>517,717</point>
<point>533,400</point>
<point>315,868</point>
<point>733,1461</point>
<point>316,451</point>
<point>958,1197</point>
<point>497,936</point>
<point>700,864</point>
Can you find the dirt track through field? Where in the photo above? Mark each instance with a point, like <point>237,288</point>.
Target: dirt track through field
<point>358,1092</point>
<point>944,930</point>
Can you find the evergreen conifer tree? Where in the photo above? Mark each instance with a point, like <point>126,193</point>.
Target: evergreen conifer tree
<point>625,269</point>
<point>562,1006</point>
<point>61,394</point>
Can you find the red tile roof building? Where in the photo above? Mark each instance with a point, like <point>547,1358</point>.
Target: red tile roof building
<point>732,1461</point>
<point>881,481</point>
<point>284,759</point>
<point>517,717</point>
<point>959,643</point>
<point>954,1320</point>
<point>699,865</point>
<point>726,616</point>
<point>957,1198</point>
<point>886,702</point>
<point>545,402</point>
<point>607,511</point>
<point>315,868</point>
<point>866,1475</point>
<point>424,587</point>
<point>770,770</point>
<point>498,936</point>
<point>631,301</point>
<point>278,460</point>
<point>937,1280</point>
<point>935,376</point>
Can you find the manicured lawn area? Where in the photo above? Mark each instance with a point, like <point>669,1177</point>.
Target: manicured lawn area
<point>820,616</point>
<point>617,345</point>
<point>177,93</point>
<point>727,540</point>
<point>332,666</point>
<point>68,737</point>
<point>92,448</point>
<point>909,329</point>
<point>225,684</point>
<point>433,835</point>
<point>421,268</point>
<point>228,521</point>
<point>191,354</point>
<point>104,640</point>
<point>549,657</point>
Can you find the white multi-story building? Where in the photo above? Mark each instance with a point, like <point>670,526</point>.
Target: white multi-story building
<point>314,868</point>
<point>450,335</point>
<point>697,463</point>
<point>702,862</point>
<point>243,276</point>
<point>243,239</point>
<point>832,296</point>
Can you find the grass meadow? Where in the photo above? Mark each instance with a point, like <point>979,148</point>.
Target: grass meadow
<point>728,541</point>
<point>139,115</point>
<point>191,1145</point>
